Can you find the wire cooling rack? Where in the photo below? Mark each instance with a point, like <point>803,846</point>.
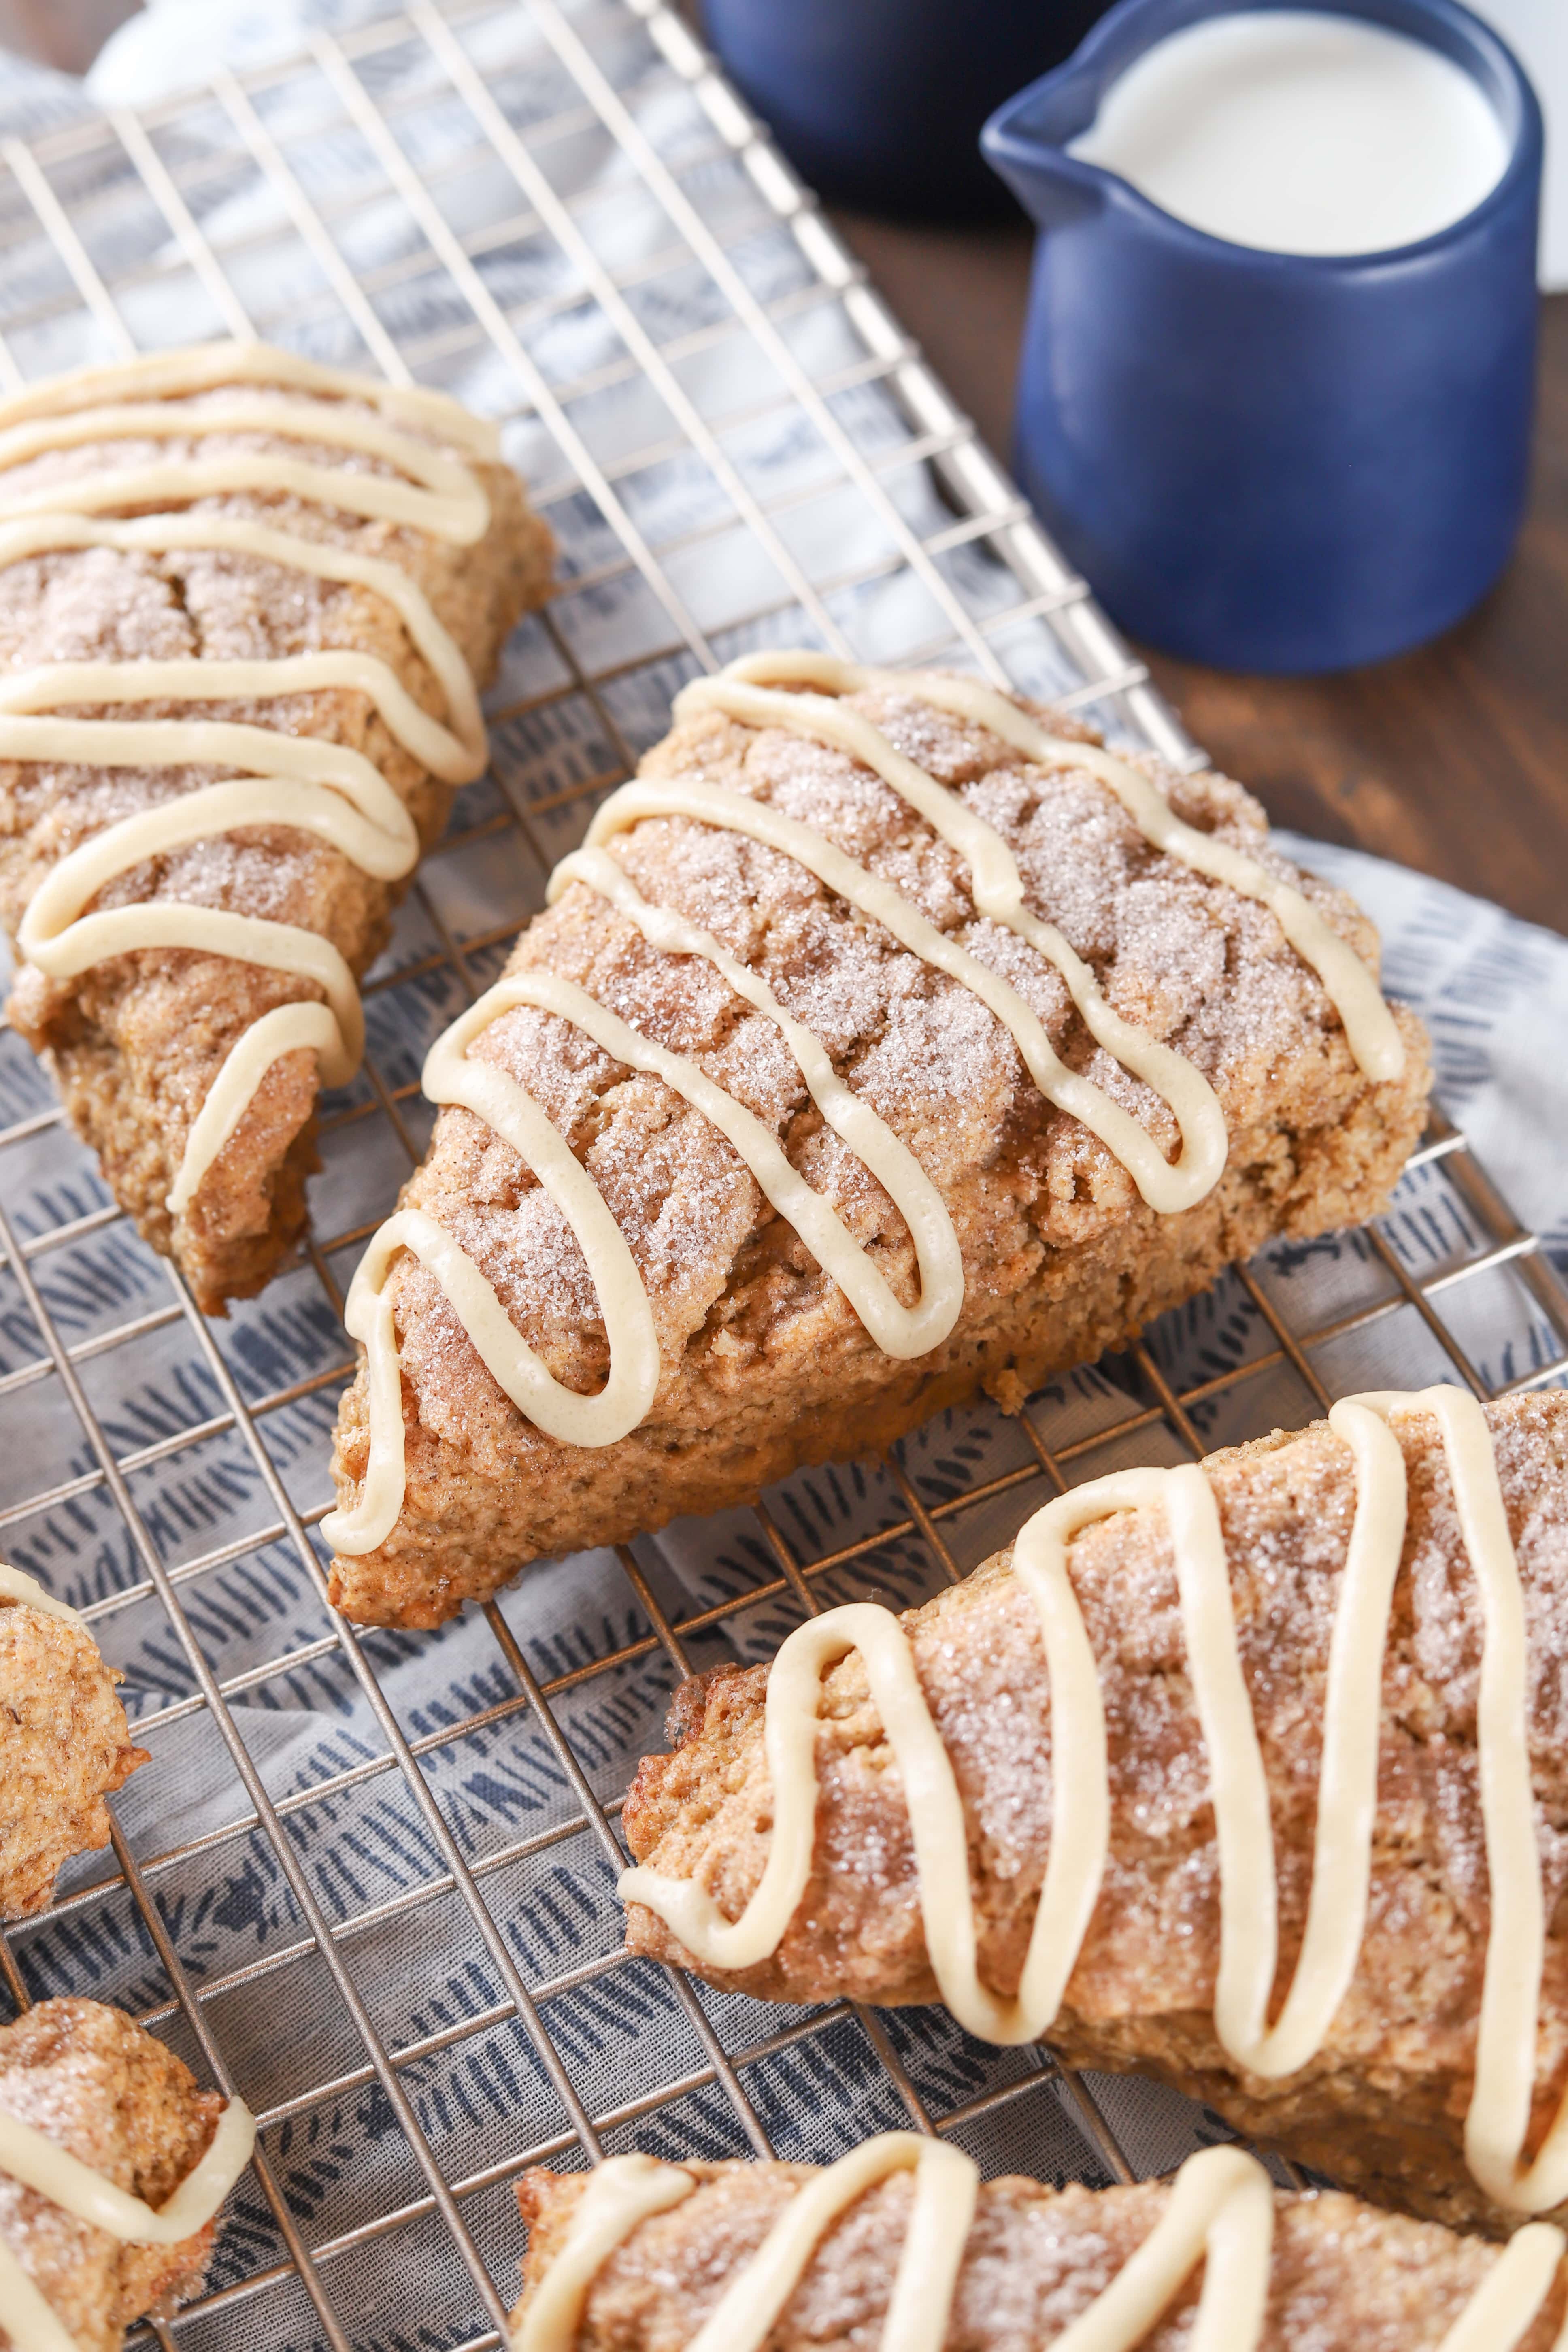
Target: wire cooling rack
<point>366,1880</point>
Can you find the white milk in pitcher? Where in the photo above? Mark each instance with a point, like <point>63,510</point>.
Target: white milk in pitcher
<point>1299,133</point>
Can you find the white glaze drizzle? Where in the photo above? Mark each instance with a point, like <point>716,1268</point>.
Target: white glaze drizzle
<point>201,367</point>
<point>162,534</point>
<point>1498,2115</point>
<point>444,498</point>
<point>31,2324</point>
<point>997,887</point>
<point>1220,2210</point>
<point>39,2163</point>
<point>1371,1031</point>
<point>15,1584</point>
<point>998,890</point>
<point>303,782</point>
<point>899,1330</point>
<point>624,2192</point>
<point>1168,1187</point>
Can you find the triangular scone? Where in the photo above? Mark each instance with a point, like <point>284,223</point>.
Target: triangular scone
<point>1027,2262</point>
<point>756,859</point>
<point>1247,1776</point>
<point>250,568</point>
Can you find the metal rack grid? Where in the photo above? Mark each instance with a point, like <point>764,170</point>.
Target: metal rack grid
<point>245,208</point>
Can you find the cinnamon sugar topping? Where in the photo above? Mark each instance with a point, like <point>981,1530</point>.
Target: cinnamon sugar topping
<point>1139,1096</point>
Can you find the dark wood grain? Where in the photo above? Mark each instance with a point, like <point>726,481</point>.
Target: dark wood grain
<point>1454,759</point>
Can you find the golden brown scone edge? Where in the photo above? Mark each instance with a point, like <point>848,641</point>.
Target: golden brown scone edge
<point>65,1746</point>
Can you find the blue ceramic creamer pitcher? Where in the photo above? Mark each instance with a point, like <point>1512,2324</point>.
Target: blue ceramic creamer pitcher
<point>1273,461</point>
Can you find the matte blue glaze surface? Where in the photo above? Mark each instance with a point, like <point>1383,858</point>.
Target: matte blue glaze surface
<point>879,103</point>
<point>1273,461</point>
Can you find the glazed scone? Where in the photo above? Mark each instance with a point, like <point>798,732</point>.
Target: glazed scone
<point>735,912</point>
<point>316,594</point>
<point>64,1743</point>
<point>1383,2094</point>
<point>112,2096</point>
<point>1342,2277</point>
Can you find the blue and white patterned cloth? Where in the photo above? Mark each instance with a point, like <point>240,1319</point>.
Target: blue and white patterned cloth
<point>1494,994</point>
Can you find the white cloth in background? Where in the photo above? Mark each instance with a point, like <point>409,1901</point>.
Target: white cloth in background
<point>174,43</point>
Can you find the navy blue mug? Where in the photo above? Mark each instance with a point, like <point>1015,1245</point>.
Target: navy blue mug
<point>1273,461</point>
<point>879,103</point>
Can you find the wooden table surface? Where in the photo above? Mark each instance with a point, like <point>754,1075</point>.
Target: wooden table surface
<point>1454,759</point>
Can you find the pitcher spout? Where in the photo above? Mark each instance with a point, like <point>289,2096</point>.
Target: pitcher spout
<point>1026,140</point>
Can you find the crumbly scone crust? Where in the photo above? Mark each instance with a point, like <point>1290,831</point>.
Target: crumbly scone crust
<point>1382,2106</point>
<point>126,2106</point>
<point>64,1747</point>
<point>135,1042</point>
<point>1346,2278</point>
<point>765,1365</point>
